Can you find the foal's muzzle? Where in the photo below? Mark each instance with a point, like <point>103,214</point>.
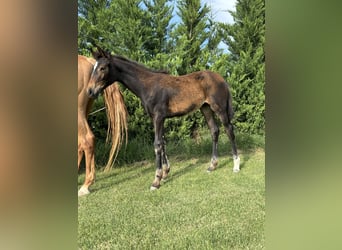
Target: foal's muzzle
<point>92,93</point>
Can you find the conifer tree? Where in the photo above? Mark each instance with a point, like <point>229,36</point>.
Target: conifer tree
<point>158,15</point>
<point>115,25</point>
<point>91,23</point>
<point>213,56</point>
<point>245,39</point>
<point>191,34</point>
<point>129,30</point>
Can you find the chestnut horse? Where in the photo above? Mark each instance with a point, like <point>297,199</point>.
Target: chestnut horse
<point>117,122</point>
<point>164,96</point>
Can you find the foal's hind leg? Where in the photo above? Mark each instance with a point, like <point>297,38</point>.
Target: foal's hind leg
<point>214,131</point>
<point>230,132</point>
<point>165,161</point>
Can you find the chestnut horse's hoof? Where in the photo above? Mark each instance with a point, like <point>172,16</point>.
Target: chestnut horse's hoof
<point>83,191</point>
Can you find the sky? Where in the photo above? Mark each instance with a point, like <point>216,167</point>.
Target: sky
<point>219,9</point>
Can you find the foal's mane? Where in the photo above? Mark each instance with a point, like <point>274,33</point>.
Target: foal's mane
<point>141,66</point>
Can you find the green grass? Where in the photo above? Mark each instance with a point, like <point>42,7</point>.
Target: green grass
<point>191,210</point>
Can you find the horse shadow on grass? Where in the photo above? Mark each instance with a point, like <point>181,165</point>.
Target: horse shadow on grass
<point>102,182</point>
<point>131,173</point>
<point>203,163</point>
<point>182,171</point>
<point>247,145</point>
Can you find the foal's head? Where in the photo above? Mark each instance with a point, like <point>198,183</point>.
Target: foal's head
<point>101,75</point>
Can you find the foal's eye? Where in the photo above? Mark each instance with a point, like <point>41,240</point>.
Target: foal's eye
<point>102,68</point>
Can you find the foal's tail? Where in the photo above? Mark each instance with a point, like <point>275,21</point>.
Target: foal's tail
<point>117,121</point>
<point>230,106</point>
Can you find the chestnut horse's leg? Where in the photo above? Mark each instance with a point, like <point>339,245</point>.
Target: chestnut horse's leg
<point>214,131</point>
<point>87,144</point>
<point>80,155</point>
<point>158,123</point>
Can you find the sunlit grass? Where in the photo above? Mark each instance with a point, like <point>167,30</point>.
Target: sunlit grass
<point>191,210</point>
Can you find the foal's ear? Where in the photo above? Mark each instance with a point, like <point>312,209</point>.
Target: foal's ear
<point>101,51</point>
<point>104,53</point>
<point>96,54</point>
<point>107,54</point>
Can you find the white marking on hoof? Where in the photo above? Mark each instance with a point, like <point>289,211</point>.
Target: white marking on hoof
<point>153,188</point>
<point>236,164</point>
<point>209,170</point>
<point>83,191</point>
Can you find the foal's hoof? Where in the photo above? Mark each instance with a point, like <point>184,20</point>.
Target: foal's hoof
<point>210,169</point>
<point>236,167</point>
<point>83,191</point>
<point>213,165</point>
<point>164,178</point>
<point>152,188</point>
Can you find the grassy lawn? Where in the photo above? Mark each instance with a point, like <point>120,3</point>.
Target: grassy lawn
<point>193,209</point>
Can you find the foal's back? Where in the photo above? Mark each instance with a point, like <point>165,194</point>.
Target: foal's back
<point>189,92</point>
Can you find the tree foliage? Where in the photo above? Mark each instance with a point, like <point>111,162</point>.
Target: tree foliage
<point>148,32</point>
<point>190,34</point>
<point>245,39</point>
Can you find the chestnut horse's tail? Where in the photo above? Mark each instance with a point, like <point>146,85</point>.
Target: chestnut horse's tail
<point>117,121</point>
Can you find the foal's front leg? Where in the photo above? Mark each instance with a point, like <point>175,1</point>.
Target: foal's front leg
<point>158,150</point>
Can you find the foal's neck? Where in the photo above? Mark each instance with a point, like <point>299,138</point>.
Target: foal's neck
<point>130,75</point>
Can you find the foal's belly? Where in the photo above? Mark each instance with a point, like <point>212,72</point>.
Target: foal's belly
<point>186,103</point>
